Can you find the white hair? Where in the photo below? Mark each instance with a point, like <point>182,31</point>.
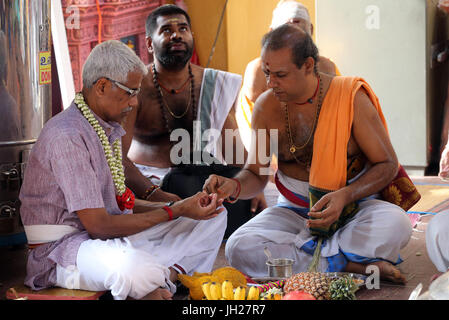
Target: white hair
<point>287,10</point>
<point>111,59</point>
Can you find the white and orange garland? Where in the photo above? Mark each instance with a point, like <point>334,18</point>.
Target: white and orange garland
<point>125,197</point>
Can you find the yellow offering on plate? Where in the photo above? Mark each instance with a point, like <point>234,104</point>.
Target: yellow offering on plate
<point>194,282</point>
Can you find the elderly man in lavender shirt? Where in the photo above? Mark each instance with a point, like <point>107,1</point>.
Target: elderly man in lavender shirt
<point>76,208</point>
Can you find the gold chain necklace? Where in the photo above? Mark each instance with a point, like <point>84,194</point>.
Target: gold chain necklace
<point>294,148</point>
<point>168,108</point>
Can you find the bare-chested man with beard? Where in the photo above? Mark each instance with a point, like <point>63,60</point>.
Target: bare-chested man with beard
<point>174,94</point>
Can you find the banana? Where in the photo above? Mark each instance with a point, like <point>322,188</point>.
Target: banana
<point>206,290</point>
<point>227,290</point>
<point>215,291</point>
<point>239,293</point>
<point>253,294</point>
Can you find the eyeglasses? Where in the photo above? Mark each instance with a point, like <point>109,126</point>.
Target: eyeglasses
<point>131,92</point>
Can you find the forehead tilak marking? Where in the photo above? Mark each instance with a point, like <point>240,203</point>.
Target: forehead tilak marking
<point>173,20</point>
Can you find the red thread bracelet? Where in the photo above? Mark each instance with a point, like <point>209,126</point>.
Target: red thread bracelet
<point>237,192</point>
<point>169,211</point>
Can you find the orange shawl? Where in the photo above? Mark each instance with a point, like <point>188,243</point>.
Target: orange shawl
<point>328,171</point>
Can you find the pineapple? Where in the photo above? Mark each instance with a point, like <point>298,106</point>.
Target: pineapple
<point>321,286</point>
<point>343,288</point>
<point>315,283</point>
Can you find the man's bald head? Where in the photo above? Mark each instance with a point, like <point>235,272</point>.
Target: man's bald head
<point>288,36</point>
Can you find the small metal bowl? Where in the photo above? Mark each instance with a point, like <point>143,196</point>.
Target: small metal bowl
<point>280,268</point>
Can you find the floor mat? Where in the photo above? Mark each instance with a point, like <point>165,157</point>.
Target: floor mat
<point>434,198</point>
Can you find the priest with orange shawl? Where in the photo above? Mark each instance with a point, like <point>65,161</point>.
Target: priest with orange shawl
<point>339,179</point>
<point>254,84</point>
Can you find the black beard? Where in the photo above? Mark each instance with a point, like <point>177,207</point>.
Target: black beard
<point>174,61</point>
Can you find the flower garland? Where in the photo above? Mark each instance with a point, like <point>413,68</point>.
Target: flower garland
<point>125,198</point>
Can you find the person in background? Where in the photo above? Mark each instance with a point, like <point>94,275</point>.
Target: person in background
<point>437,232</point>
<point>437,240</point>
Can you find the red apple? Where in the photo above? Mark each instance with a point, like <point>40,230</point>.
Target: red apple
<point>298,295</point>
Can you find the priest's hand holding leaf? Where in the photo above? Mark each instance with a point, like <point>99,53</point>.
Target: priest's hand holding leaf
<point>327,210</point>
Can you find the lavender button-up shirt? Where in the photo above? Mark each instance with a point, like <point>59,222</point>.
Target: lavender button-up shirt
<point>66,172</point>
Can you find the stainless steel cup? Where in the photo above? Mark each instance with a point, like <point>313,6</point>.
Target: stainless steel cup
<point>280,268</point>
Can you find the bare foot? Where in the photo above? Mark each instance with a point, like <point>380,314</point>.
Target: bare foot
<point>387,271</point>
<point>159,294</point>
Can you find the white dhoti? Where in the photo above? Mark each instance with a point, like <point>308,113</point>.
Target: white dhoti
<point>437,240</point>
<point>137,265</point>
<point>377,232</point>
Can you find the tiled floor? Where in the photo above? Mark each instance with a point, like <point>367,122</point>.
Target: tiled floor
<point>416,266</point>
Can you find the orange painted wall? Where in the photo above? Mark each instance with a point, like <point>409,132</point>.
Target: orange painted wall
<point>205,16</point>
<point>247,22</point>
